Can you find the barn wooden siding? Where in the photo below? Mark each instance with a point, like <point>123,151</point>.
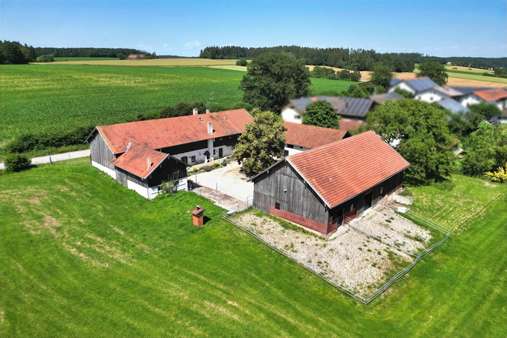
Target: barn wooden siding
<point>284,186</point>
<point>100,152</point>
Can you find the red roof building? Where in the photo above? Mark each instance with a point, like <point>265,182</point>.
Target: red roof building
<point>307,137</point>
<point>328,185</point>
<point>143,154</point>
<point>492,95</point>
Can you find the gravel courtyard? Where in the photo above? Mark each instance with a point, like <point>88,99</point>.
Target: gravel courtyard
<point>359,257</point>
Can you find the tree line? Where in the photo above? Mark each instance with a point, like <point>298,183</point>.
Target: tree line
<point>13,52</point>
<point>354,59</point>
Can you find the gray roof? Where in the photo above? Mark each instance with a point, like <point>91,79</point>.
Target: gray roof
<point>452,105</point>
<point>381,98</point>
<point>421,84</point>
<point>469,90</point>
<point>343,105</point>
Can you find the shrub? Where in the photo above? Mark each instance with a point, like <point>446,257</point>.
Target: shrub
<point>323,72</point>
<point>45,58</point>
<point>168,187</point>
<point>17,162</point>
<point>242,62</point>
<point>499,175</point>
<point>29,142</point>
<point>182,108</point>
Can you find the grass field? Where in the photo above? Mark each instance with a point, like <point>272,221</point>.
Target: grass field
<point>82,256</point>
<point>53,98</point>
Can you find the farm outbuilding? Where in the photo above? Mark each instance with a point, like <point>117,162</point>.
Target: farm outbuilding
<point>142,155</point>
<point>324,187</point>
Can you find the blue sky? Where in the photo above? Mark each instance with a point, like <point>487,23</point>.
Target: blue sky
<point>443,28</point>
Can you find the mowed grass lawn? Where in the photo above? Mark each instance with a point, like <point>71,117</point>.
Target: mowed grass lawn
<point>54,98</point>
<point>82,256</point>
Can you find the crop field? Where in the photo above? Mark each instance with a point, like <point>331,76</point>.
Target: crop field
<point>82,256</point>
<point>82,58</point>
<point>55,98</point>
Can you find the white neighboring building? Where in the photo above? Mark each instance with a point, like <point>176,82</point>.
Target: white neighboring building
<point>424,89</point>
<point>348,107</point>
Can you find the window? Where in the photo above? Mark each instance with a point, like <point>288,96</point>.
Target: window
<point>277,205</point>
<point>192,159</point>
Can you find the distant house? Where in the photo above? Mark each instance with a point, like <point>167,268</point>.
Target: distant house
<point>326,186</point>
<point>348,107</point>
<point>424,89</point>
<point>301,137</point>
<point>497,97</point>
<point>452,105</point>
<point>142,154</point>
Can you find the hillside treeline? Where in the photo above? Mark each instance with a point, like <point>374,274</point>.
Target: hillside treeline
<point>354,59</point>
<point>86,52</point>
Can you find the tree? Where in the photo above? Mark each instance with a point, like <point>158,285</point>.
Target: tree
<point>464,124</point>
<point>356,91</point>
<point>434,70</point>
<point>419,132</point>
<point>381,76</point>
<point>321,114</point>
<point>17,162</point>
<point>261,144</point>
<point>242,62</point>
<point>12,53</point>
<point>45,58</point>
<point>480,150</point>
<point>274,78</point>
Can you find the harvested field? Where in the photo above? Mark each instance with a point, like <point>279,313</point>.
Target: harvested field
<point>150,62</point>
<point>359,257</point>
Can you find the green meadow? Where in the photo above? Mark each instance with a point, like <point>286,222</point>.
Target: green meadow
<point>40,98</point>
<point>82,256</point>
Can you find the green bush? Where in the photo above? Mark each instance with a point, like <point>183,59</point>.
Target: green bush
<point>45,58</point>
<point>242,62</point>
<point>29,142</point>
<point>17,162</point>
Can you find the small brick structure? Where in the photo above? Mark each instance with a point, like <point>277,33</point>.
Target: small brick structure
<point>198,216</point>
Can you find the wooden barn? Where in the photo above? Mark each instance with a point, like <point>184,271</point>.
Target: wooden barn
<point>329,185</point>
<point>141,155</point>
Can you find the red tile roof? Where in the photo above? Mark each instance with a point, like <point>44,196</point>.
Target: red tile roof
<point>342,170</point>
<point>309,137</point>
<point>140,160</point>
<point>492,95</point>
<point>349,124</point>
<point>168,132</point>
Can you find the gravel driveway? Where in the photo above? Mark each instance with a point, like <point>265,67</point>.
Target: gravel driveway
<point>228,180</point>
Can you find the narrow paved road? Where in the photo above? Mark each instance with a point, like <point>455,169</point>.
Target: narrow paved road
<point>57,157</point>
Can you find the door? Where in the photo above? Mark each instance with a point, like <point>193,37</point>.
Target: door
<point>220,153</point>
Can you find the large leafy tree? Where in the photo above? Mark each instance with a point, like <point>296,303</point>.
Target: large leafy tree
<point>464,124</point>
<point>261,144</point>
<point>274,78</point>
<point>419,132</point>
<point>381,76</point>
<point>485,149</point>
<point>434,70</point>
<point>321,114</point>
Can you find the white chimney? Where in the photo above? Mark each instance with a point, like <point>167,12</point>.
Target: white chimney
<point>148,163</point>
<point>210,128</point>
<point>195,111</point>
<point>128,146</point>
<point>207,111</point>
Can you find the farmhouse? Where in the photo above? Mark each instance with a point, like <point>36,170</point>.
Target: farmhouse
<point>143,154</point>
<point>300,137</point>
<point>347,107</point>
<point>326,186</point>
